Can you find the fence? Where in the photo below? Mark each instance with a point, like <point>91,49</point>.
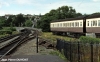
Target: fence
<point>78,51</point>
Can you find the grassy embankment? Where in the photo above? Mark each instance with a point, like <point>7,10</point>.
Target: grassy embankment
<point>83,39</point>
<point>49,35</point>
<point>53,38</point>
<point>5,30</point>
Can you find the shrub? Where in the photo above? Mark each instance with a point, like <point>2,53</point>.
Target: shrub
<point>9,29</point>
<point>86,39</point>
<point>2,32</point>
<point>12,29</point>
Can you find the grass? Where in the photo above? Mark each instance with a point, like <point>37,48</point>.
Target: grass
<point>3,35</point>
<point>8,28</point>
<point>49,35</point>
<point>14,32</point>
<point>57,53</point>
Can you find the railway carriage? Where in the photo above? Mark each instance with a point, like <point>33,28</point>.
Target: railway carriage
<point>77,26</point>
<point>72,26</point>
<point>93,24</point>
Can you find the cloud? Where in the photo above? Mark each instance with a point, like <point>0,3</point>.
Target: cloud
<point>2,4</point>
<point>96,0</point>
<point>84,7</point>
<point>24,1</point>
<point>44,6</point>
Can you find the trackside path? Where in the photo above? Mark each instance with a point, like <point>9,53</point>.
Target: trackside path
<point>35,58</point>
<point>27,53</point>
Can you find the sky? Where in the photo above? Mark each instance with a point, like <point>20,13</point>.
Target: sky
<point>44,6</point>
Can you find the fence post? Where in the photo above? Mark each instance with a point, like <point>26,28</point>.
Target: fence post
<point>78,52</point>
<point>70,53</point>
<point>91,52</point>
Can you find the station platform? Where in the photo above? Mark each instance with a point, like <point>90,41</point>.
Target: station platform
<point>35,58</point>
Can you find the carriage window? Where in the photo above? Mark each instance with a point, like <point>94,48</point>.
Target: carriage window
<point>94,23</point>
<point>98,22</point>
<point>80,23</point>
<point>87,23</point>
<point>63,24</point>
<point>60,24</point>
<point>91,23</point>
<point>66,24</point>
<point>55,25</point>
<point>73,24</point>
<point>76,24</point>
<point>52,25</point>
<point>70,24</point>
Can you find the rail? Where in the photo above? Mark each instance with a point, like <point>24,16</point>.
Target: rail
<point>22,38</point>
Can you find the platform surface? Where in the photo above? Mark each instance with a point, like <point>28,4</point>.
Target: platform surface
<point>35,58</point>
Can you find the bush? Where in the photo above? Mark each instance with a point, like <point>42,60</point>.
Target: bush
<point>12,29</point>
<point>86,39</point>
<point>9,29</point>
<point>2,32</point>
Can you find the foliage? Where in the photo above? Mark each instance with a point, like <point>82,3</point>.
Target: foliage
<point>2,21</point>
<point>49,35</point>
<point>9,29</point>
<point>96,13</point>
<point>58,54</point>
<point>60,13</point>
<point>19,20</point>
<point>86,39</point>
<point>9,21</point>
<point>12,29</point>
<point>28,23</point>
<point>3,32</point>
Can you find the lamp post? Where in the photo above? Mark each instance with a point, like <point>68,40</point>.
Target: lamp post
<point>37,41</point>
<point>36,35</point>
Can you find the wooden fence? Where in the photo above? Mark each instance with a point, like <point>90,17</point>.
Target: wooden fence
<point>78,51</point>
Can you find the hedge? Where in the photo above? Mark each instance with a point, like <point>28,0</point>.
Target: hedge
<point>86,39</point>
<point>2,32</point>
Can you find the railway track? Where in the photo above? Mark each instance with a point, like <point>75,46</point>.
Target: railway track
<point>17,40</point>
<point>2,39</point>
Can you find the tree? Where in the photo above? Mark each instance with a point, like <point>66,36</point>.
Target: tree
<point>63,12</point>
<point>2,21</point>
<point>28,23</point>
<point>78,14</point>
<point>96,13</point>
<point>19,20</point>
<point>44,23</point>
<point>9,21</point>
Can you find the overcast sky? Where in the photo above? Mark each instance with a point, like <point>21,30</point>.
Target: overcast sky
<point>44,6</point>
